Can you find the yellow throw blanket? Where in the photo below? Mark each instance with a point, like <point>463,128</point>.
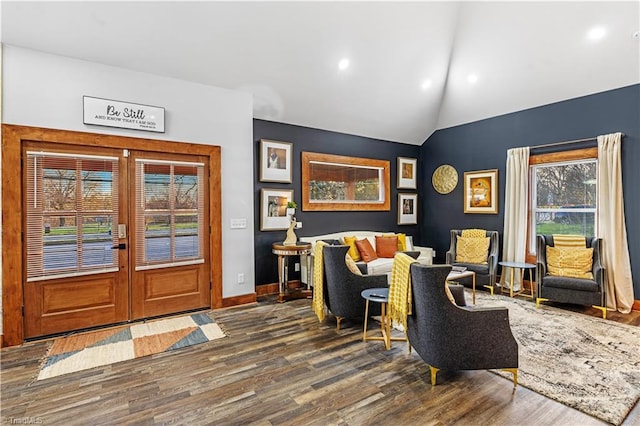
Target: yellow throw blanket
<point>400,289</point>
<point>569,240</point>
<point>317,304</point>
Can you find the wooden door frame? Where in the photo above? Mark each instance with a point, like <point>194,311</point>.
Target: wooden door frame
<point>12,232</point>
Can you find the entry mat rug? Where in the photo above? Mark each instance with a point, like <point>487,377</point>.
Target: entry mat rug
<point>585,362</point>
<point>93,349</point>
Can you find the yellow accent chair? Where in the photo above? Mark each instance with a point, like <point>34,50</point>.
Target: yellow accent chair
<point>450,337</point>
<point>570,281</point>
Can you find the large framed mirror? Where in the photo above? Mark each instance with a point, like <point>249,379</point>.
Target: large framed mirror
<point>336,182</point>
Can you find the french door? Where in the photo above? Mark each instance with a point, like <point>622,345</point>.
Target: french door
<point>112,235</point>
<point>169,225</point>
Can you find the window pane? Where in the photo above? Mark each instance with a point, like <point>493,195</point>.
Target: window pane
<point>158,238</point>
<point>185,183</point>
<point>97,242</point>
<point>96,190</point>
<point>156,186</point>
<point>566,185</point>
<point>564,199</point>
<point>187,236</point>
<point>569,223</point>
<point>61,237</point>
<point>169,220</point>
<point>60,243</point>
<point>60,225</point>
<point>59,187</point>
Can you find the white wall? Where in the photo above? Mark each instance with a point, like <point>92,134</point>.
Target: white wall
<point>46,91</point>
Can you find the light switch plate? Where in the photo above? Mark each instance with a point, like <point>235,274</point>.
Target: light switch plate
<point>238,223</point>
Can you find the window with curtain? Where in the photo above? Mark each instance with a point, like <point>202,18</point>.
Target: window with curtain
<point>563,194</point>
<point>169,213</point>
<point>72,204</point>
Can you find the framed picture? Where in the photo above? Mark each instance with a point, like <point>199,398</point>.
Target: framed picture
<point>407,209</point>
<point>273,209</point>
<point>407,168</point>
<point>481,191</point>
<point>275,161</point>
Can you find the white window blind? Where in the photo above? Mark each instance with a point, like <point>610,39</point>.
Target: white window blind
<point>72,205</point>
<point>169,213</point>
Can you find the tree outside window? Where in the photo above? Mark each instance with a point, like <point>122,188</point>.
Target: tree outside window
<point>563,198</point>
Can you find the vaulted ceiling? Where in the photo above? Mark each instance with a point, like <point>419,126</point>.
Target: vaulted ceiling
<point>413,67</point>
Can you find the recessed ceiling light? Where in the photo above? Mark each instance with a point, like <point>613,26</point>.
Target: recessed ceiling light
<point>596,33</point>
<point>426,84</point>
<point>472,78</point>
<point>343,64</point>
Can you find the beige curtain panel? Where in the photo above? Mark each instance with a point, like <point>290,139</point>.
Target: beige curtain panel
<point>611,224</point>
<point>514,244</point>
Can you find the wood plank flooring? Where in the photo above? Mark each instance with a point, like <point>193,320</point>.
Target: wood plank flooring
<point>278,366</point>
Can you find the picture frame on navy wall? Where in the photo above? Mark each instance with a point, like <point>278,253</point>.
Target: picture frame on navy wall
<point>275,161</point>
<point>273,209</point>
<point>481,191</point>
<point>407,173</point>
<point>407,209</point>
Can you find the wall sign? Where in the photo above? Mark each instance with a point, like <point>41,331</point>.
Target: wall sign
<point>126,115</point>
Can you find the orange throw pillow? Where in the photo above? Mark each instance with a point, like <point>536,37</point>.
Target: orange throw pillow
<point>386,246</point>
<point>366,250</point>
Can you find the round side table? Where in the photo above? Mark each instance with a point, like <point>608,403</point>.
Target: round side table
<point>284,252</point>
<point>380,295</point>
<point>520,266</point>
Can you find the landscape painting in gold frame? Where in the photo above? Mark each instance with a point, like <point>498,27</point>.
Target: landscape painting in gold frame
<point>481,191</point>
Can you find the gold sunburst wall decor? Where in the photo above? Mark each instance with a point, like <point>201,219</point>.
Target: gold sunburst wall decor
<point>444,179</point>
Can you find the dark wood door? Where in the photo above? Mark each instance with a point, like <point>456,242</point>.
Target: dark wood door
<point>112,236</point>
<point>169,219</point>
<point>75,274</point>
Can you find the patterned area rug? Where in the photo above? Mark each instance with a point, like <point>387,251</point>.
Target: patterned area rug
<point>587,363</point>
<point>93,349</point>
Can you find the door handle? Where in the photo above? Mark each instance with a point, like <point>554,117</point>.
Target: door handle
<point>121,246</point>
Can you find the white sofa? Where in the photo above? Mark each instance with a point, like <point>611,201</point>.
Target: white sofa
<point>377,266</point>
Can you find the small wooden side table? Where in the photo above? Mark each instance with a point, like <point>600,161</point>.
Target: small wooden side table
<point>453,276</point>
<point>284,252</point>
<point>380,295</point>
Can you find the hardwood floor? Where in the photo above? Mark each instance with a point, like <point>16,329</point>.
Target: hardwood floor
<point>278,365</point>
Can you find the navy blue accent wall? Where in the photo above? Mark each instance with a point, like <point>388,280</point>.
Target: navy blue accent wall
<point>483,145</point>
<point>317,223</point>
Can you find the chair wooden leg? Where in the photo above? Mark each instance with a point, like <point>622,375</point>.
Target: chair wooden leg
<point>433,371</point>
<point>603,309</point>
<point>338,319</point>
<point>513,371</point>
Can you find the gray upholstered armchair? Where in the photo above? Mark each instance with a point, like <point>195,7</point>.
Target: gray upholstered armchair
<point>456,338</point>
<point>485,272</point>
<point>580,291</point>
<point>342,287</point>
